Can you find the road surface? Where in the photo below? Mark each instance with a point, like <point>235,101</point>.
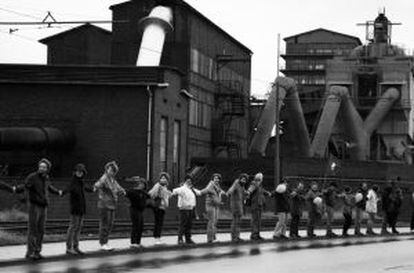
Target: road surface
<point>366,254</point>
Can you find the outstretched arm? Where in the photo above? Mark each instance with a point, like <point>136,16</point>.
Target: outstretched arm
<point>55,190</point>
<point>6,187</point>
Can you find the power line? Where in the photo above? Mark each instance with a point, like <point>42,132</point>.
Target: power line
<point>20,23</point>
<point>19,13</point>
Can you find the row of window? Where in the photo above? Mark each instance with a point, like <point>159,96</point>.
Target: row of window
<point>299,64</point>
<point>201,106</point>
<point>207,66</point>
<point>164,144</point>
<point>309,79</point>
<point>320,49</point>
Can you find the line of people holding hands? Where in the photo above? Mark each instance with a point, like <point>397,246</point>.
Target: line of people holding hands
<point>241,194</point>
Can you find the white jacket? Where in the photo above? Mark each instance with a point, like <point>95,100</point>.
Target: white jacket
<point>186,197</point>
<point>372,200</point>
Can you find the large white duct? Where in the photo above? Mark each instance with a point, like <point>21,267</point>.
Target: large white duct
<point>156,26</point>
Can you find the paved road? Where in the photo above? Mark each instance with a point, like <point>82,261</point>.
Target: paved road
<point>366,254</point>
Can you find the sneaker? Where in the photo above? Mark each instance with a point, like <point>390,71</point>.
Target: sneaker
<point>106,247</point>
<point>135,246</point>
<point>237,240</point>
<point>180,241</point>
<point>189,242</point>
<point>36,256</point>
<point>71,251</point>
<point>79,251</point>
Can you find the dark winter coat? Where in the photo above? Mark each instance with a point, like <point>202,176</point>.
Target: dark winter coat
<point>38,188</point>
<point>76,191</point>
<point>361,204</point>
<point>297,201</point>
<point>137,198</point>
<point>281,202</point>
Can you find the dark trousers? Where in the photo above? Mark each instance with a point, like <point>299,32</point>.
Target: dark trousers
<point>137,220</point>
<point>158,221</point>
<point>294,225</point>
<point>106,222</point>
<point>313,218</point>
<point>235,226</point>
<point>392,219</point>
<point>256,223</point>
<point>74,230</point>
<point>36,229</point>
<point>347,223</point>
<point>412,219</point>
<point>186,222</point>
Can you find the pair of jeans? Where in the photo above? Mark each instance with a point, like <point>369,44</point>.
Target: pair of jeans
<point>313,218</point>
<point>329,219</point>
<point>359,213</point>
<point>74,230</point>
<point>106,222</point>
<point>370,222</point>
<point>256,223</point>
<point>186,222</point>
<point>158,221</point>
<point>294,225</point>
<point>36,228</point>
<point>137,220</point>
<point>280,228</point>
<point>412,219</point>
<point>347,223</point>
<point>235,226</point>
<point>212,216</point>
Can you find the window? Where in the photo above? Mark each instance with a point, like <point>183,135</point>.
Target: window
<point>201,108</point>
<point>176,144</point>
<point>195,60</point>
<point>163,143</point>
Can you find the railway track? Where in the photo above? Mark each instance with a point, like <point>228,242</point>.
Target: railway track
<point>92,225</point>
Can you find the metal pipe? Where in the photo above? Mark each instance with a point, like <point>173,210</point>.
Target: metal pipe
<point>149,132</point>
<point>156,26</point>
<point>354,127</point>
<point>286,88</point>
<point>380,110</point>
<point>35,138</point>
<point>327,121</point>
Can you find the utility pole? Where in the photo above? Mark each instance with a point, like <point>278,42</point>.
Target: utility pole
<point>277,115</point>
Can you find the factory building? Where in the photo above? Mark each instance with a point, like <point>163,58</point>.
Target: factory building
<point>216,71</point>
<point>91,103</point>
<point>306,58</point>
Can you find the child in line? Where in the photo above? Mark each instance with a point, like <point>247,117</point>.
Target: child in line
<point>161,196</point>
<point>138,198</point>
<point>186,204</point>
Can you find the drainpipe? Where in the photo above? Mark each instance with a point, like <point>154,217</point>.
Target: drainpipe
<point>156,26</point>
<point>149,132</point>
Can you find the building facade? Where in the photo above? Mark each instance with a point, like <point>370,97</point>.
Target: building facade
<point>216,71</point>
<point>306,58</point>
<point>90,114</point>
<point>83,45</point>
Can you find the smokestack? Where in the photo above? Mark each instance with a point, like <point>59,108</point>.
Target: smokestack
<point>156,26</point>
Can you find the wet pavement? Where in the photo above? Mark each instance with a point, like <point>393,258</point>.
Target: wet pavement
<point>362,254</point>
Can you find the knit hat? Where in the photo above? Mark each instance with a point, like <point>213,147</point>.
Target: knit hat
<point>138,180</point>
<point>216,175</point>
<point>47,162</point>
<point>166,175</point>
<point>81,167</point>
<point>112,164</point>
<point>244,175</point>
<point>258,177</point>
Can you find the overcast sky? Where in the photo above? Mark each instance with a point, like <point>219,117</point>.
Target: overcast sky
<point>254,23</point>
